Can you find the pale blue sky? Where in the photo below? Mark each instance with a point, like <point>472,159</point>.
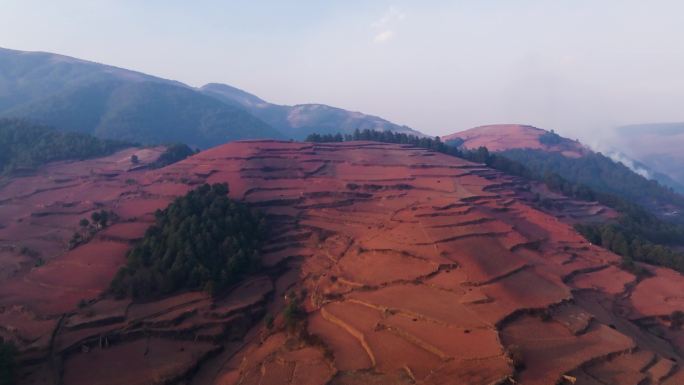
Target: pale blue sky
<point>438,66</point>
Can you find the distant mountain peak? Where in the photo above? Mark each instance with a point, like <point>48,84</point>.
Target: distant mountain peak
<point>233,94</point>
<point>41,61</point>
<point>299,120</point>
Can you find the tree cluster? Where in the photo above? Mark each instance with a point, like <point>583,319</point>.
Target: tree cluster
<point>598,173</point>
<point>173,153</point>
<point>387,137</point>
<point>25,146</point>
<point>632,246</point>
<point>550,138</point>
<point>88,228</point>
<point>203,240</point>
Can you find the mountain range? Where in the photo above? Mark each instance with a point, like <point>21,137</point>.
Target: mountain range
<point>109,102</point>
<point>303,119</point>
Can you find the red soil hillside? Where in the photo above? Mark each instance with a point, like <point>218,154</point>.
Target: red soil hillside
<point>501,137</point>
<point>412,267</point>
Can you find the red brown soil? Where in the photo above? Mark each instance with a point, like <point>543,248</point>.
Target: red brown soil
<point>144,361</point>
<point>411,266</point>
<point>501,137</point>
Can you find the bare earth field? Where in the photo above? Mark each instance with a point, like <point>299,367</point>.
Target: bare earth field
<point>413,268</point>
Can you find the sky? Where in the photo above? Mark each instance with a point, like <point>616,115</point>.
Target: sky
<point>580,67</point>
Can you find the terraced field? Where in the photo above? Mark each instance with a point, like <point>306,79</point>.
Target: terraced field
<point>411,267</point>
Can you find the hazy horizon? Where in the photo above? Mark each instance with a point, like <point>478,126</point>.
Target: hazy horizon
<point>578,67</point>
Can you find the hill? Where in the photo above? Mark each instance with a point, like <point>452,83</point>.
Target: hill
<point>387,264</point>
<point>115,103</point>
<point>303,119</point>
<point>501,137</point>
<point>546,152</point>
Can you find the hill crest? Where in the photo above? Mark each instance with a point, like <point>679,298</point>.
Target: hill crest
<point>502,137</point>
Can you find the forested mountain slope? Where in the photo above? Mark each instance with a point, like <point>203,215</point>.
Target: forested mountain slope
<point>114,103</point>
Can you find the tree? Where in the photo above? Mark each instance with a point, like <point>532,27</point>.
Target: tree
<point>84,222</point>
<point>292,313</point>
<point>550,138</point>
<point>104,218</point>
<point>7,363</point>
<point>677,319</point>
<point>268,321</point>
<point>620,246</point>
<point>481,155</point>
<point>134,159</point>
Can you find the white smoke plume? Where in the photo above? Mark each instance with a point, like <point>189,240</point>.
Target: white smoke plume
<point>619,157</point>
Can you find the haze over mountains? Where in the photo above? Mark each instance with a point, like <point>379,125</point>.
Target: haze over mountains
<point>109,102</point>
<point>658,146</point>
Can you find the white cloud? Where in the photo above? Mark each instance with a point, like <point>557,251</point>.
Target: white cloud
<point>384,27</point>
<point>383,36</point>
